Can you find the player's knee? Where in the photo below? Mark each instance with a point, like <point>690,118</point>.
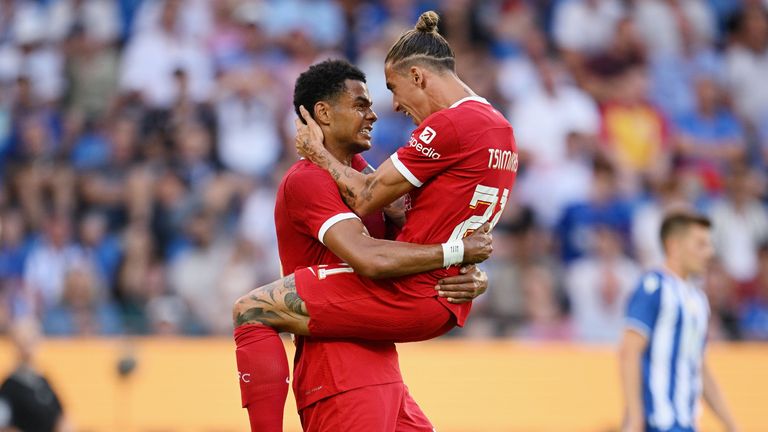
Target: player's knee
<point>240,308</point>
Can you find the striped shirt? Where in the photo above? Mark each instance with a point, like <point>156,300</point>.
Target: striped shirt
<point>673,315</point>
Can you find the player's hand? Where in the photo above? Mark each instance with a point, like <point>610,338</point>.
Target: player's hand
<point>309,136</point>
<point>478,245</point>
<point>468,284</point>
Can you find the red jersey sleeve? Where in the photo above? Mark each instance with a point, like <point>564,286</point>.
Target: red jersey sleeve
<point>314,202</point>
<point>432,148</point>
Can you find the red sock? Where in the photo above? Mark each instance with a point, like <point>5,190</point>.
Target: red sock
<point>262,368</point>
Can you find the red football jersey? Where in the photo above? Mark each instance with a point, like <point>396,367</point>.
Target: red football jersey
<point>463,162</point>
<point>307,205</point>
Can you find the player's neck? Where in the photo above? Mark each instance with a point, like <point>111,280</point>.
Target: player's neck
<point>340,152</point>
<point>676,269</point>
<point>448,90</point>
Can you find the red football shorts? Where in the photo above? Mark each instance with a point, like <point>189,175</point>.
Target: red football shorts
<point>377,408</point>
<point>342,304</point>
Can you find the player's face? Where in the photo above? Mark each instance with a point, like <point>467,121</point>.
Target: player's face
<point>697,249</point>
<point>407,97</point>
<point>353,116</point>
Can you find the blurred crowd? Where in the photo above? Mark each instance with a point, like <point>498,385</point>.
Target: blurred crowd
<point>141,142</point>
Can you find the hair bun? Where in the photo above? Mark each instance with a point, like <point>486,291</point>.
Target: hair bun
<point>428,22</point>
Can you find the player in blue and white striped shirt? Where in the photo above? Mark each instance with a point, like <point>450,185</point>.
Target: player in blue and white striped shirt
<point>662,352</point>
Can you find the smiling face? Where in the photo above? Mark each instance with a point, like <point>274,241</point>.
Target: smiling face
<point>352,117</point>
<point>408,97</point>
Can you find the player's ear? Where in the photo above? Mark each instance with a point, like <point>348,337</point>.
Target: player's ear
<point>322,113</point>
<point>417,76</point>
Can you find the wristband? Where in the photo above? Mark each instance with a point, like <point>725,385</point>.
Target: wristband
<point>453,252</point>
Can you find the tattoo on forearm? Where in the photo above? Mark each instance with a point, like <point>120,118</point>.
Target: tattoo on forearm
<point>349,194</point>
<point>294,303</point>
<point>345,177</point>
<point>256,314</point>
<point>262,305</point>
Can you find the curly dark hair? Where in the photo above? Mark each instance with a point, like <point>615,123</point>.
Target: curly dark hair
<point>323,81</point>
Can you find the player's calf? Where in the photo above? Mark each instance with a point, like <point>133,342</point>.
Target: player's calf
<point>275,305</point>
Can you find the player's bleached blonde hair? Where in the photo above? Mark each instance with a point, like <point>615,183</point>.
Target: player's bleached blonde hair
<point>422,44</point>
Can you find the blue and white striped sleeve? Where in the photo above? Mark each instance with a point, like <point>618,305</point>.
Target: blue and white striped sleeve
<point>644,304</point>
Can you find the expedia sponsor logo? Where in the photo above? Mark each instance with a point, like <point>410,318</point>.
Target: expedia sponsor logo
<point>426,151</point>
<point>427,135</point>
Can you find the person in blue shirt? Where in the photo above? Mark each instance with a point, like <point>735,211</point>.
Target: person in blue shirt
<point>605,208</point>
<point>710,137</point>
<point>663,369</point>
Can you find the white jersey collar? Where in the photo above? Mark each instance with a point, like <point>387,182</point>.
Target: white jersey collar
<point>469,98</point>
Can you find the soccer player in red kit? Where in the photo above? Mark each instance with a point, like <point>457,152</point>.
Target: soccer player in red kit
<point>457,171</point>
<point>339,384</point>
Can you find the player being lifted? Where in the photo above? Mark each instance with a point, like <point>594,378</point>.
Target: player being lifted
<point>341,384</point>
<point>457,170</point>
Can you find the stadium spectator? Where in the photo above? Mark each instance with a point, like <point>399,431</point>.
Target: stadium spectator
<point>709,138</point>
<point>518,76</point>
<point>91,72</point>
<point>754,313</point>
<point>603,207</point>
<point>747,63</point>
<point>674,74</point>
<point>138,267</point>
<point>193,19</point>
<point>257,226</point>
<point>320,20</point>
<point>544,318</point>
<point>98,19</point>
<point>663,22</point>
<point>38,172</point>
<point>598,285</point>
<point>99,246</point>
<point>151,58</point>
<point>196,273</point>
<point>14,248</point>
<point>519,244</point>
<point>549,126</point>
<point>248,141</point>
<point>27,52</point>
<point>740,223</point>
<point>84,309</point>
<point>585,27</point>
<point>49,261</point>
<point>598,74</point>
<point>117,186</point>
<point>721,291</point>
<point>636,133</point>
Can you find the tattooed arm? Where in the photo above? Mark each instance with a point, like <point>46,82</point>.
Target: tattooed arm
<point>395,212</point>
<point>363,193</point>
